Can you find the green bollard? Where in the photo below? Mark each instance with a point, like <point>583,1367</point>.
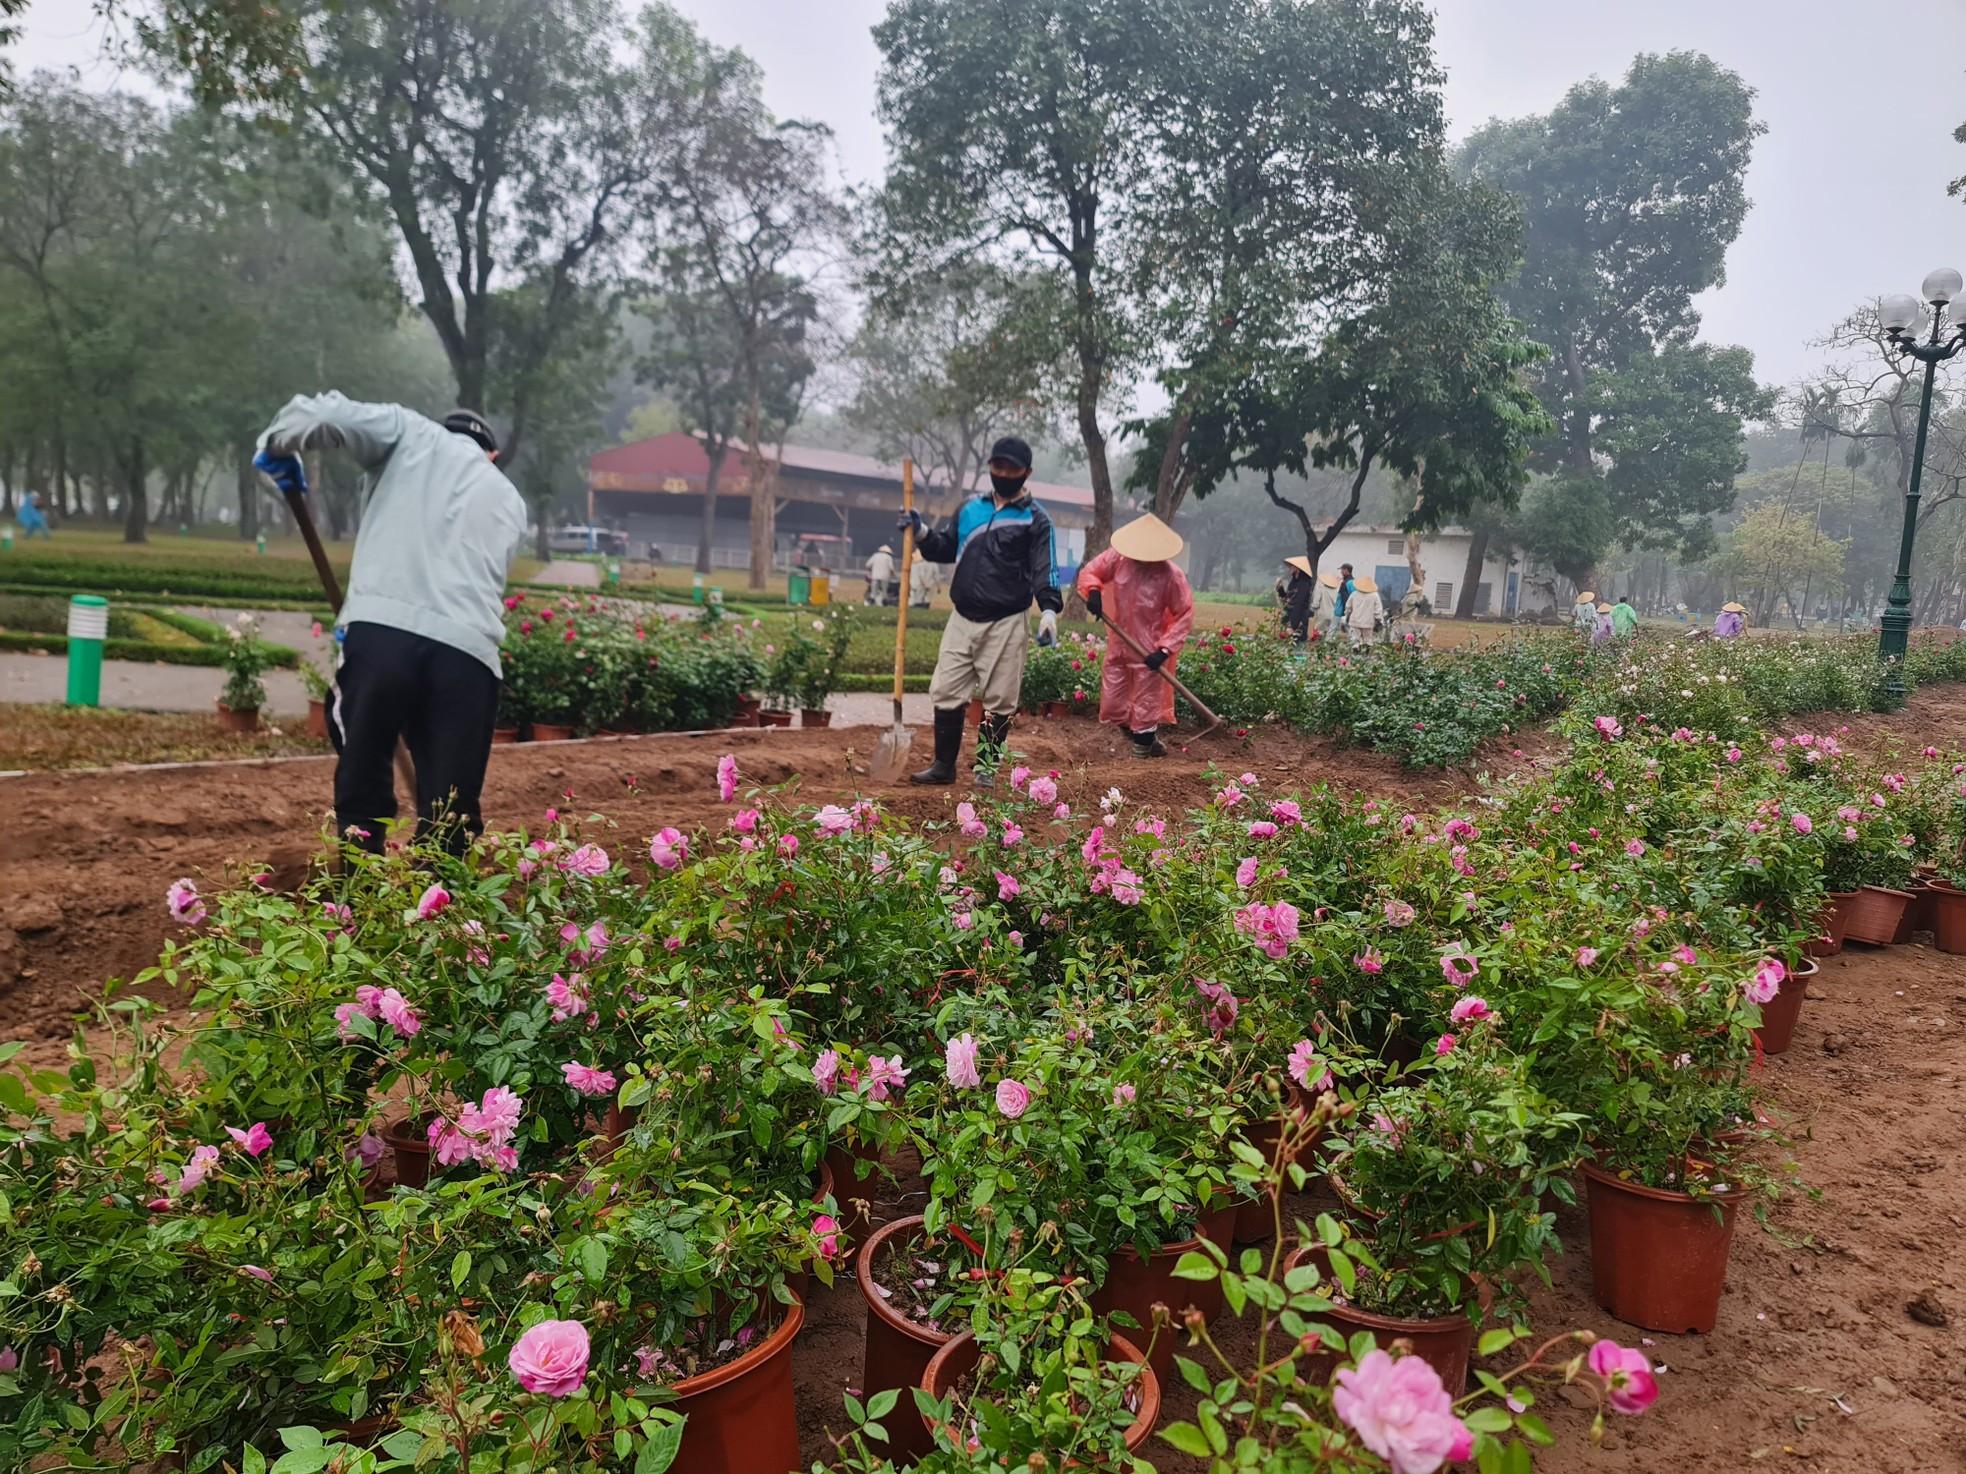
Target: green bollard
<point>88,627</point>
<point>614,573</point>
<point>697,588</point>
<point>262,545</point>
<point>7,537</point>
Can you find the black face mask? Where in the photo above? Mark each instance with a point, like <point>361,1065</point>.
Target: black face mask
<point>1006,486</point>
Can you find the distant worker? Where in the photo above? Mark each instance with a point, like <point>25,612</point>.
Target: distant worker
<point>1624,619</point>
<point>1135,586</point>
<point>1602,629</point>
<point>1296,590</point>
<point>423,619</point>
<point>1341,597</point>
<point>880,574</point>
<point>923,580</point>
<point>31,520</point>
<point>1324,607</point>
<point>1365,611</point>
<point>1002,547</point>
<point>1730,621</point>
<point>1583,614</point>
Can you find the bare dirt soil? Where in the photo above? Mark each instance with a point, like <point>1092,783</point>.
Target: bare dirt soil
<point>1816,1357</point>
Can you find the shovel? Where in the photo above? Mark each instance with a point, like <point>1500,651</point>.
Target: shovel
<point>891,753</point>
<point>1167,675</point>
<point>331,586</point>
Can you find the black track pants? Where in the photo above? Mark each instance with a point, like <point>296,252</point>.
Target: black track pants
<point>440,701</point>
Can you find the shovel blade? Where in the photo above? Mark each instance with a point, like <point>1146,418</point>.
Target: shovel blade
<point>890,758</point>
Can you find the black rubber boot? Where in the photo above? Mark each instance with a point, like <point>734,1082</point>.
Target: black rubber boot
<point>948,747</point>
<point>1148,744</point>
<point>991,740</point>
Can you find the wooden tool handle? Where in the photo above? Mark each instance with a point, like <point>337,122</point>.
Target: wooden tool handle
<point>907,565</point>
<point>297,504</point>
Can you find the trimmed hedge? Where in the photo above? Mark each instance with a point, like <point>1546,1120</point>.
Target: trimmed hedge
<point>210,655</point>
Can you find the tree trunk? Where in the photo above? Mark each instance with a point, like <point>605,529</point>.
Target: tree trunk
<point>764,518</point>
<point>716,450</point>
<point>1577,448</point>
<point>136,513</point>
<point>1171,488</point>
<point>248,499</point>
<point>7,482</point>
<point>1464,601</point>
<point>59,501</point>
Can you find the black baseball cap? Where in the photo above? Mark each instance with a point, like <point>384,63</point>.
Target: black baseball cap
<point>470,422</point>
<point>1011,449</point>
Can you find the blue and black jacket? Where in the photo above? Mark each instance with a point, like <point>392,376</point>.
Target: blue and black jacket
<point>1003,557</point>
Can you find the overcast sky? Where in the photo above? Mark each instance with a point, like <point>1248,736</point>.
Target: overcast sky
<point>1848,184</point>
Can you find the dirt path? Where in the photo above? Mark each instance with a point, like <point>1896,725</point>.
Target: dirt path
<point>1815,1357</point>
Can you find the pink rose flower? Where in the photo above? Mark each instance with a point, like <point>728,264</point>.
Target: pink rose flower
<point>195,1171</point>
<point>726,778</point>
<point>1801,822</point>
<point>1458,967</point>
<point>883,1075</point>
<point>745,821</point>
<point>253,1140</point>
<point>1445,1044</point>
<point>668,848</point>
<point>959,1062</point>
<point>567,997</point>
<point>1766,982</point>
<point>1013,1098</point>
<point>1246,872</point>
<point>832,819</point>
<point>1123,1095</point>
<point>1007,886</point>
<point>1043,791</point>
<point>9,1360</point>
<point>1634,847</point>
<point>1400,1411</point>
<point>182,900</point>
<point>1286,811</point>
<point>589,861</point>
<point>1370,961</point>
<point>551,1358</point>
<point>1469,1009</point>
<point>1399,914</point>
<point>826,1071</point>
<point>1627,1373</point>
<point>1019,776</point>
<point>432,901</point>
<point>1607,727</point>
<point>1307,1069</point>
<point>395,1011</point>
<point>788,845</point>
<point>1262,829</point>
<point>1586,956</point>
<point>588,1079</point>
<point>826,1229</point>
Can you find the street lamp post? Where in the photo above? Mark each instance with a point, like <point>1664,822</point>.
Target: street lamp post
<point>1901,316</point>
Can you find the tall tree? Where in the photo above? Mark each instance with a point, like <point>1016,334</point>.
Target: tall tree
<point>1284,138</point>
<point>744,212</point>
<point>508,144</point>
<point>1014,127</point>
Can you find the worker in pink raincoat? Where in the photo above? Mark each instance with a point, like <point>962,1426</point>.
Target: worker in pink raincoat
<point>1135,585</point>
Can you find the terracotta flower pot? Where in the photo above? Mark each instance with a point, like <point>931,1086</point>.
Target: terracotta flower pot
<point>1832,919</point>
<point>1949,919</point>
<point>1256,1217</point>
<point>959,1357</point>
<point>774,719</point>
<point>815,716</point>
<point>742,1419</point>
<point>241,721</point>
<point>1874,914</point>
<point>748,708</point>
<point>1918,915</point>
<point>1137,1286</point>
<point>1444,1343</point>
<point>1051,710</point>
<point>411,1144</point>
<point>856,1175</point>
<point>503,735</point>
<point>1658,1258</point>
<point>897,1351</point>
<point>1778,1014</point>
<point>551,732</point>
<point>317,720</point>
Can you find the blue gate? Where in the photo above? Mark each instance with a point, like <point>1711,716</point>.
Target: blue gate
<point>1394,579</point>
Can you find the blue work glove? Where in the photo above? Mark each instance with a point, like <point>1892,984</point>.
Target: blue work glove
<point>285,472</point>
<point>1156,659</point>
<point>909,521</point>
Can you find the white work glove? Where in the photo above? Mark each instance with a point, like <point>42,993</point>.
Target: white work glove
<point>1048,628</point>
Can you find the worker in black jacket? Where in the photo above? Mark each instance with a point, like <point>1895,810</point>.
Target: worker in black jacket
<point>1002,546</point>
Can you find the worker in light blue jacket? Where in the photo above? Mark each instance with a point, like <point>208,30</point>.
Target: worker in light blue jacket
<point>422,622</point>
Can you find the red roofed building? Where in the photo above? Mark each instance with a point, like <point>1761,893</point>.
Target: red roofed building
<point>829,507</point>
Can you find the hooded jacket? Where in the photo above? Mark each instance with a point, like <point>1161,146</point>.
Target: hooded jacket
<point>1003,557</point>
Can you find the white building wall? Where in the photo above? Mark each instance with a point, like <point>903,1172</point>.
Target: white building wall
<point>1380,553</point>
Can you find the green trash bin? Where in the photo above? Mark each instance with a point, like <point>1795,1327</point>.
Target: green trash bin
<point>88,627</point>
<point>798,586</point>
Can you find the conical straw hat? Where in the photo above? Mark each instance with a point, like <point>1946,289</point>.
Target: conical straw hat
<point>1588,596</point>
<point>1329,580</point>
<point>1604,609</point>
<point>1365,585</point>
<point>1147,540</point>
<point>1735,608</point>
<point>1300,563</point>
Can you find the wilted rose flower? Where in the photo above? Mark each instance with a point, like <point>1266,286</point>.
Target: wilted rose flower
<point>668,848</point>
<point>959,1062</point>
<point>182,899</point>
<point>726,778</point>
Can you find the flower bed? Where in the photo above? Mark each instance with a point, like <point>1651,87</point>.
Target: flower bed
<point>628,1062</point>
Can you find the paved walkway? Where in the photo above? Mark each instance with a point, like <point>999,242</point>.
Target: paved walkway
<point>570,573</point>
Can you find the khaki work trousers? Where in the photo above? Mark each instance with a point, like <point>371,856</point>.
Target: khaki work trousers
<point>981,657</point>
